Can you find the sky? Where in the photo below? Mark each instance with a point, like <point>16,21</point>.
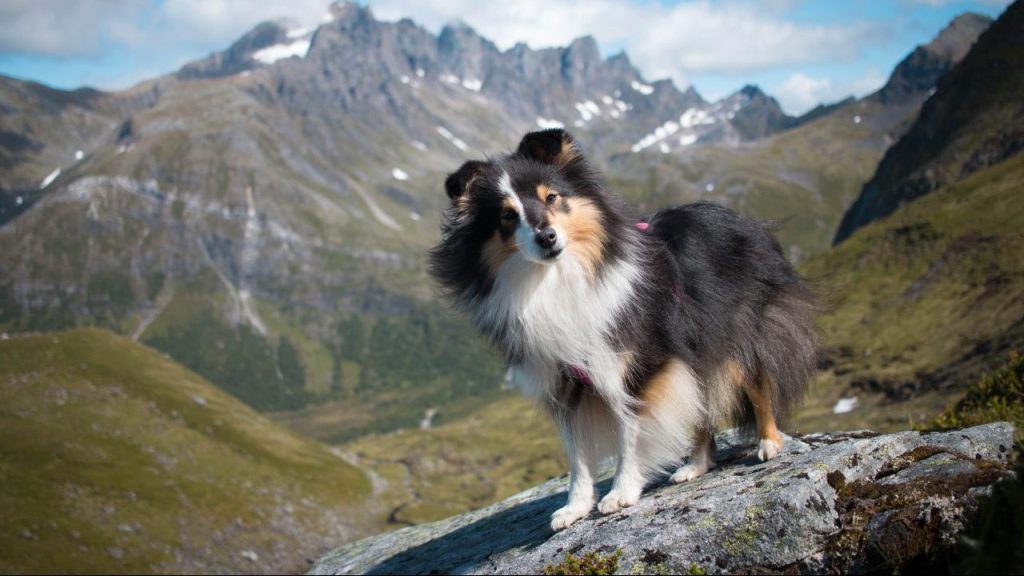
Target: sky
<point>802,52</point>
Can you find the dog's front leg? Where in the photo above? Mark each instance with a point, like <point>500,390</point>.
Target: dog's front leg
<point>629,478</point>
<point>581,479</point>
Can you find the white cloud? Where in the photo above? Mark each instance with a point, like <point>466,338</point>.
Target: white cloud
<point>81,27</point>
<point>226,20</point>
<point>799,92</point>
<point>662,40</point>
<point>58,28</point>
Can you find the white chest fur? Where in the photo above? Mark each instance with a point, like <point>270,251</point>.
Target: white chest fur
<point>554,314</point>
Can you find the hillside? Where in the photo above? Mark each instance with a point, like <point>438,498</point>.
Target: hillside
<point>262,214</point>
<point>804,177</point>
<point>919,303</point>
<point>115,459</point>
<point>463,465</point>
<point>973,120</point>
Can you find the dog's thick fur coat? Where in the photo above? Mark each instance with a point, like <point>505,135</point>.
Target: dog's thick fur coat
<point>638,337</point>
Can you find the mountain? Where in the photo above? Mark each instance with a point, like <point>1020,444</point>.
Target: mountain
<point>921,70</point>
<point>791,175</point>
<point>116,459</point>
<point>973,119</point>
<point>921,303</point>
<point>262,214</point>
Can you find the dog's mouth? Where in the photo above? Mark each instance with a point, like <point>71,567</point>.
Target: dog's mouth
<point>552,255</point>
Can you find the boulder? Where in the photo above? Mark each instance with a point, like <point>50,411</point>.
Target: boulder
<point>831,502</point>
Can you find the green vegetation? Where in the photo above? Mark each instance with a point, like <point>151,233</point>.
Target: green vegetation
<point>589,563</point>
<point>237,358</point>
<point>498,451</point>
<point>920,304</point>
<point>115,459</point>
<point>998,396</point>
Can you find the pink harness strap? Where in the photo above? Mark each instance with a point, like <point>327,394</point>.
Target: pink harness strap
<point>580,374</point>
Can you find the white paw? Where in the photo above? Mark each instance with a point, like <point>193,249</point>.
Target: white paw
<point>618,499</point>
<point>568,515</point>
<point>688,472</point>
<point>768,449</point>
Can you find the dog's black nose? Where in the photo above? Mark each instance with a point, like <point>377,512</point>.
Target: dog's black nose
<point>546,237</point>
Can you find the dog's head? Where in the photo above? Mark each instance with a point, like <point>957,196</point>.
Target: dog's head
<point>538,205</point>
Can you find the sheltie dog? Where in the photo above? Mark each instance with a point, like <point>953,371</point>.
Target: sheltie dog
<point>638,336</point>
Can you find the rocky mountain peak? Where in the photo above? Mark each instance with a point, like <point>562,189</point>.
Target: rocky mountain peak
<point>956,39</point>
<point>239,57</point>
<point>919,72</point>
<point>345,12</point>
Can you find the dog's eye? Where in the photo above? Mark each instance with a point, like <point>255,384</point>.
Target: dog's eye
<point>551,198</point>
<point>509,215</point>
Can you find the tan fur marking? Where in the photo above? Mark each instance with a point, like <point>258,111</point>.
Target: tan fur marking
<point>543,191</point>
<point>567,154</point>
<point>763,411</point>
<point>496,251</point>
<point>586,235</point>
<point>462,204</point>
<point>659,387</point>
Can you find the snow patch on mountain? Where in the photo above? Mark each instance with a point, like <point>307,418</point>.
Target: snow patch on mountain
<point>49,178</point>
<point>456,141</point>
<point>545,123</point>
<point>272,54</point>
<point>645,89</point>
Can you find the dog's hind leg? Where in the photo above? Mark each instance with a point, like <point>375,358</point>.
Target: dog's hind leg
<point>701,460</point>
<point>770,442</point>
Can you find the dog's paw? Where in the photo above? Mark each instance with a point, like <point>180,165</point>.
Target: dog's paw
<point>768,449</point>
<point>688,472</point>
<point>568,515</point>
<point>618,499</point>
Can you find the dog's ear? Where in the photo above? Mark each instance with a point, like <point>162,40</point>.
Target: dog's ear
<point>554,146</point>
<point>457,182</point>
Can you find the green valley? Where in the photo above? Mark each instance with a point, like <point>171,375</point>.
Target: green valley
<point>115,459</point>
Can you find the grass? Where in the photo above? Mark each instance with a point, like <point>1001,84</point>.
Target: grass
<point>115,459</point>
<point>589,563</point>
<point>998,396</point>
<point>497,452</point>
<point>919,304</point>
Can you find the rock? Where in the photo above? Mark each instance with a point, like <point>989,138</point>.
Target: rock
<point>832,502</point>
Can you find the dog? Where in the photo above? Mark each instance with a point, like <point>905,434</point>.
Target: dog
<point>638,336</point>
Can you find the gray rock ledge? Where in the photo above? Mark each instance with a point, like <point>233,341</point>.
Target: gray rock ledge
<point>836,502</point>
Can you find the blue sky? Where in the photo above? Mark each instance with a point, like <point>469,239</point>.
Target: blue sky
<point>803,52</point>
